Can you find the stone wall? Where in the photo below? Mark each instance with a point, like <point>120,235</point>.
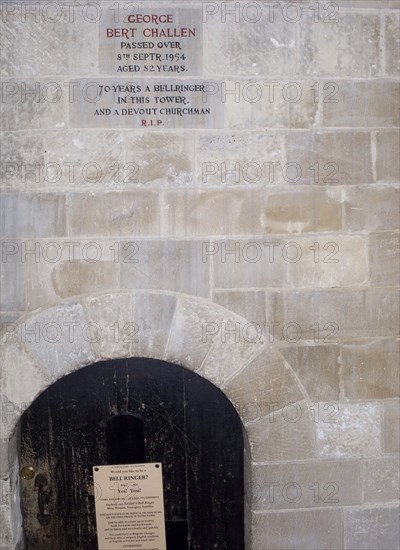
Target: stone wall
<point>287,217</point>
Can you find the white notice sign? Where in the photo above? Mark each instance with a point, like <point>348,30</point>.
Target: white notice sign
<point>130,507</point>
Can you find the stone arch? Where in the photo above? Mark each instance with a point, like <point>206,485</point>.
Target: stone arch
<point>192,332</point>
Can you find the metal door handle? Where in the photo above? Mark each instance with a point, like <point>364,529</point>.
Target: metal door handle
<point>40,483</point>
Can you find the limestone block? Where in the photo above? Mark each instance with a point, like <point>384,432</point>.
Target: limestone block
<point>259,105</point>
<point>174,265</point>
<point>330,158</point>
<point>317,368</point>
<point>271,385</point>
<point>152,315</point>
<point>22,378</point>
<point>392,33</point>
<point>84,159</point>
<point>249,304</point>
<point>112,318</point>
<point>387,156</point>
<point>370,528</point>
<point>60,43</point>
<point>315,484</point>
<point>60,338</point>
<point>252,46</point>
<point>64,268</point>
<point>364,104</point>
<point>195,327</point>
<point>232,349</point>
<point>248,263</point>
<point>368,4</point>
<point>21,156</point>
<point>114,214</point>
<point>391,414</point>
<point>193,213</point>
<point>371,208</point>
<point>255,212</point>
<point>33,105</point>
<point>12,278</point>
<point>301,211</point>
<point>381,480</point>
<point>384,258</point>
<point>346,46</point>
<point>29,215</point>
<point>289,434</point>
<point>297,530</point>
<point>240,159</point>
<point>334,261</point>
<point>370,370</point>
<point>356,432</point>
<point>332,314</point>
<point>161,159</point>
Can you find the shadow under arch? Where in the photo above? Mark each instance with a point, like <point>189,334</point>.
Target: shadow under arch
<point>177,417</point>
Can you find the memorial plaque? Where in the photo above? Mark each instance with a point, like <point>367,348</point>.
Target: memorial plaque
<point>152,42</point>
<point>130,507</point>
<point>146,103</point>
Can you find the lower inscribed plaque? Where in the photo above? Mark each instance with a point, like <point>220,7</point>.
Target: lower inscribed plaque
<point>145,103</point>
<point>130,507</point>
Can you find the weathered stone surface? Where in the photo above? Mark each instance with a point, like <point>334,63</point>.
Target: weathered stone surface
<point>29,215</point>
<point>315,484</point>
<point>301,211</point>
<point>165,265</point>
<point>65,268</point>
<point>289,434</point>
<point>355,433</point>
<point>391,420</point>
<point>22,379</point>
<point>112,319</point>
<point>334,261</point>
<point>327,158</point>
<point>114,214</point>
<point>384,258</point>
<point>162,159</point>
<point>381,480</point>
<point>269,47</point>
<point>297,530</point>
<point>21,158</point>
<point>317,368</point>
<point>335,314</point>
<point>43,51</point>
<point>369,4</point>
<point>240,159</point>
<point>359,103</point>
<point>370,528</point>
<point>269,382</point>
<point>152,315</point>
<point>12,274</point>
<point>84,159</point>
<point>249,304</point>
<point>330,51</point>
<point>247,263</point>
<point>60,338</point>
<point>251,212</point>
<point>387,156</point>
<point>232,349</point>
<point>264,104</point>
<point>195,326</point>
<point>371,208</point>
<point>392,42</point>
<point>33,105</point>
<point>370,370</point>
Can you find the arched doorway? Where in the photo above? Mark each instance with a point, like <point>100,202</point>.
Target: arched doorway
<point>130,411</point>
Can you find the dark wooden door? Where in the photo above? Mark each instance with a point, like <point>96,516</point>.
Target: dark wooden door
<point>133,411</point>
